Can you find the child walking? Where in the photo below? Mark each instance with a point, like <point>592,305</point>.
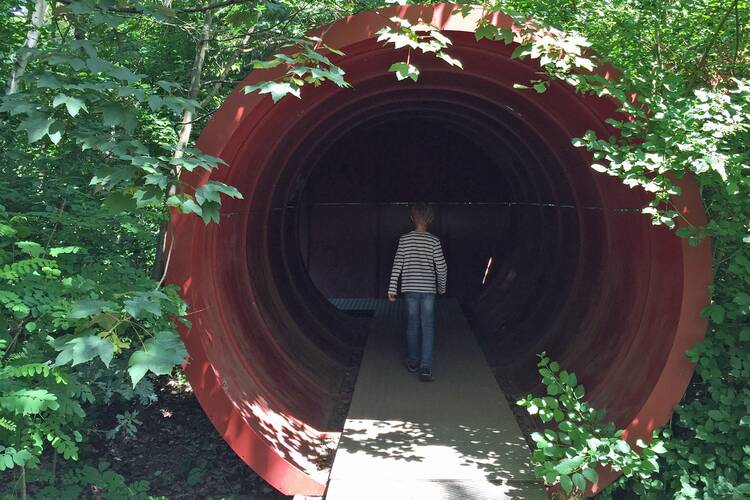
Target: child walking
<point>420,264</point>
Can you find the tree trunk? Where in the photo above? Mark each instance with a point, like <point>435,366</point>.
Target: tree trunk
<point>183,139</point>
<point>23,483</point>
<point>225,71</point>
<point>195,83</point>
<point>32,37</point>
<point>158,270</point>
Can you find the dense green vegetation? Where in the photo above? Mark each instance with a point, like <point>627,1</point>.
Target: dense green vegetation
<point>103,101</point>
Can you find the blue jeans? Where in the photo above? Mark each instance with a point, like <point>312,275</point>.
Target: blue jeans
<point>421,311</point>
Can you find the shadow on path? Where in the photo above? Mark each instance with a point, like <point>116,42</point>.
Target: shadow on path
<point>454,438</point>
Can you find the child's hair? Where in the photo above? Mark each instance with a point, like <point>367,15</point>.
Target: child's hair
<point>422,213</point>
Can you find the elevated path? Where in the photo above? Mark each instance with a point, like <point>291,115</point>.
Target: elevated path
<point>454,438</point>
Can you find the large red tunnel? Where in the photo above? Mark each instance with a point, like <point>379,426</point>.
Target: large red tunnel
<point>574,270</point>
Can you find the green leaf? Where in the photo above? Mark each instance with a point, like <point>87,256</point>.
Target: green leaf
<point>48,80</point>
<point>715,312</point>
<point>145,302</point>
<point>86,308</point>
<point>14,106</point>
<point>210,212</point>
<point>485,30</point>
<point>569,465</point>
<point>124,74</point>
<point>55,131</point>
<point>72,104</point>
<point>167,85</point>
<point>6,230</point>
<point>593,443</point>
<point>180,104</point>
<point>450,60</point>
<point>154,102</point>
<point>540,87</point>
<point>114,114</point>
<point>590,474</point>
<point>149,195</point>
<point>82,349</point>
<point>276,89</point>
<point>519,52</point>
<point>30,247</point>
<point>716,414</point>
<point>54,252</point>
<point>189,206</point>
<point>507,35</point>
<point>579,481</point>
<point>404,70</point>
<point>28,401</point>
<point>566,483</point>
<point>74,62</point>
<point>659,448</point>
<point>579,392</point>
<point>211,189</point>
<point>267,64</point>
<point>36,126</point>
<point>159,355</point>
<point>622,446</point>
<point>21,457</point>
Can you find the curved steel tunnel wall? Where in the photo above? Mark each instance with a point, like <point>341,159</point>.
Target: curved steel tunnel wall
<point>605,293</point>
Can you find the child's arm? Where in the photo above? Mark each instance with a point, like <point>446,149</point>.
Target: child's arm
<point>441,267</point>
<point>398,265</point>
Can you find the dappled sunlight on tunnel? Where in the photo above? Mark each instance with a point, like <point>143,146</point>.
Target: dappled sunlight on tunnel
<point>575,269</point>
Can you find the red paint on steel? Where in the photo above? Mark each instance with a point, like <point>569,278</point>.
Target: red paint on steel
<point>604,292</point>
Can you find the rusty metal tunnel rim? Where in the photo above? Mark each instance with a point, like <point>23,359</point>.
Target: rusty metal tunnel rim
<point>232,340</point>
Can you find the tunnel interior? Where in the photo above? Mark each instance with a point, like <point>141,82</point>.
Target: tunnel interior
<point>544,253</point>
<point>507,223</point>
<point>529,241</point>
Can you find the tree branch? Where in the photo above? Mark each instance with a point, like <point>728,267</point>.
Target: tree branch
<point>186,127</point>
<point>195,82</point>
<point>737,34</point>
<point>711,43</point>
<point>189,10</point>
<point>32,37</point>
<point>255,32</point>
<point>214,6</point>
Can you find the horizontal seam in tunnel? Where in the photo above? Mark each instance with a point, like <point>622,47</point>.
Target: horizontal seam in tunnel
<point>407,203</point>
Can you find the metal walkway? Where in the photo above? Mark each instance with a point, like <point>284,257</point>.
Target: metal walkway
<point>454,438</point>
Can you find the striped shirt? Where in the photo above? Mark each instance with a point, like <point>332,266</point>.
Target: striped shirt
<point>419,259</point>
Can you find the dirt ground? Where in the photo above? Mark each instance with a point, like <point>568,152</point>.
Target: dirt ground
<point>180,453</point>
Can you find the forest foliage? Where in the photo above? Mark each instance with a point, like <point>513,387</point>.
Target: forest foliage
<point>102,103</point>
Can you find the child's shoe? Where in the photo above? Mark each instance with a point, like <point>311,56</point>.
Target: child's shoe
<point>426,375</point>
